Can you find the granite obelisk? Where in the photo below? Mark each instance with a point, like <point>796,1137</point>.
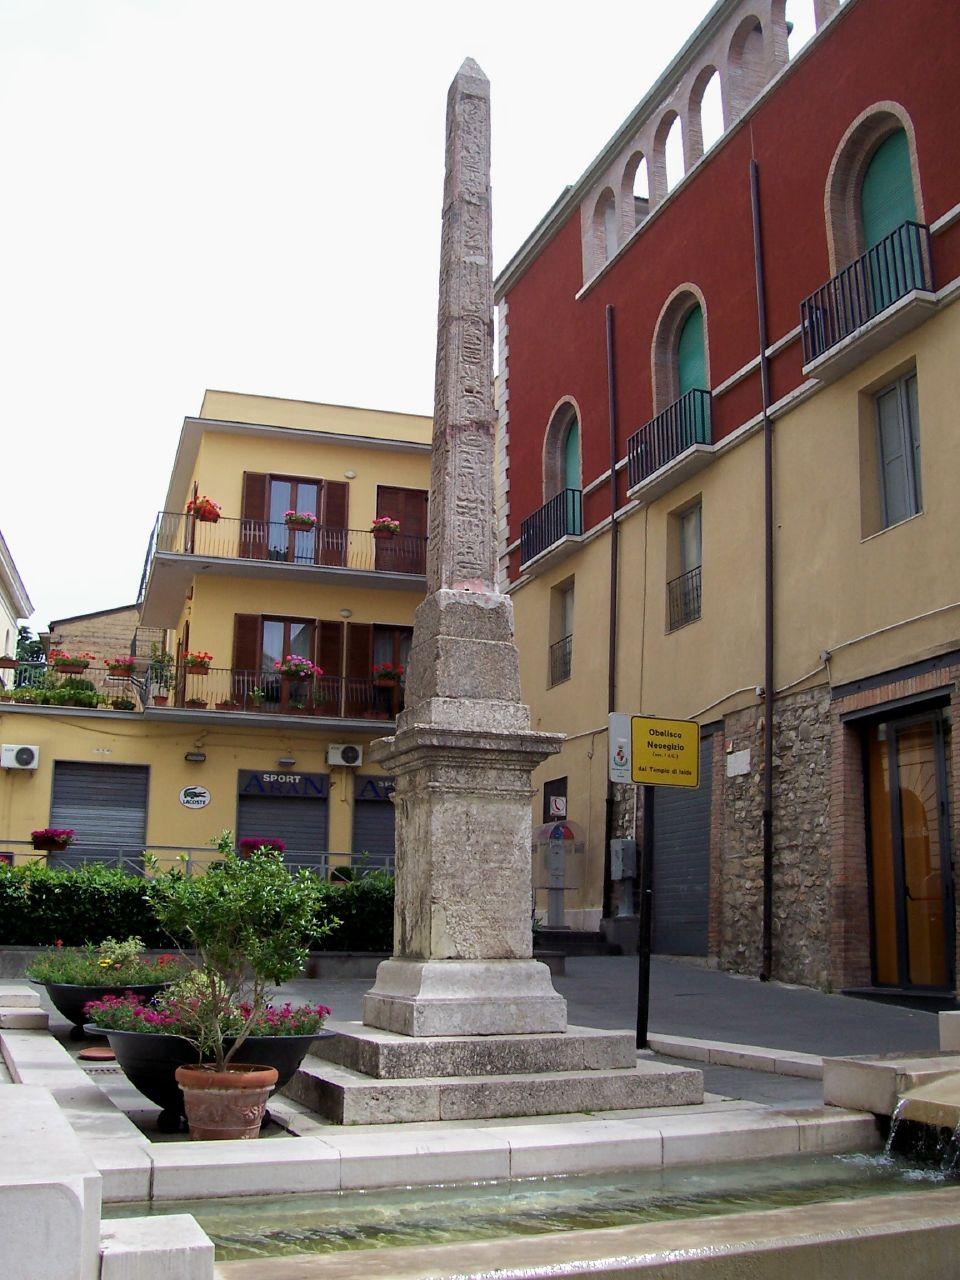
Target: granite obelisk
<point>464,751</point>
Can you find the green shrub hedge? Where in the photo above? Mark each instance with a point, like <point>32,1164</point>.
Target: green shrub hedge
<point>41,905</point>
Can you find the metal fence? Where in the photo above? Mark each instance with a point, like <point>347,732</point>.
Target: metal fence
<point>268,693</point>
<point>898,264</point>
<point>561,517</point>
<point>681,425</point>
<point>683,599</point>
<point>133,859</point>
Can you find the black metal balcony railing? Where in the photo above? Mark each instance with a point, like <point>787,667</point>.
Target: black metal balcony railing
<point>561,517</point>
<point>561,660</point>
<point>900,263</point>
<point>681,425</point>
<point>683,599</point>
<point>40,684</point>
<point>274,541</point>
<point>267,693</point>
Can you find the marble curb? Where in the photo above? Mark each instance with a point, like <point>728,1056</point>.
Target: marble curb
<point>781,1062</point>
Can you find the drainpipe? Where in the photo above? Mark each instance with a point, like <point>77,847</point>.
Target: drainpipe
<point>614,572</point>
<point>766,964</point>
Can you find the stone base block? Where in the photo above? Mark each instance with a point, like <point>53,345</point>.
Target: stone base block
<point>876,1082</point>
<point>21,1018</point>
<point>936,1104</point>
<point>464,998</point>
<point>348,1097</point>
<point>171,1247</point>
<point>949,1024</point>
<point>385,1055</point>
<point>15,996</point>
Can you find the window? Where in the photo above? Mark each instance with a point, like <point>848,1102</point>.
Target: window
<point>561,632</point>
<point>684,563</point>
<point>264,533</point>
<point>898,450</point>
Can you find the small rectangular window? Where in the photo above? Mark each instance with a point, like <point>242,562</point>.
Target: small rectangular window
<point>686,555</point>
<point>561,633</point>
<point>898,450</point>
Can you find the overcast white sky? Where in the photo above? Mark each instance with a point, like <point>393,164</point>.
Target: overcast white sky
<point>245,194</point>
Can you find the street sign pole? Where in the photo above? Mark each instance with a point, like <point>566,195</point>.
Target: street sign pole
<point>645,869</point>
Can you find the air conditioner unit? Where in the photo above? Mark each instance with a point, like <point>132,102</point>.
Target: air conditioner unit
<point>16,756</point>
<point>344,753</point>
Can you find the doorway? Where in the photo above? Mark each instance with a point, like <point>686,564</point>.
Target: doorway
<point>906,770</point>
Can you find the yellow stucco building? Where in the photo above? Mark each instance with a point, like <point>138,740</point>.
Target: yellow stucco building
<point>204,732</point>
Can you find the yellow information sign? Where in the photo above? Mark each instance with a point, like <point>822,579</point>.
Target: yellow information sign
<point>665,753</point>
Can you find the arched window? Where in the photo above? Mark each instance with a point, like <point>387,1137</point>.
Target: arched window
<point>673,154</point>
<point>886,193</point>
<point>873,186</point>
<point>711,112</point>
<point>747,62</point>
<point>636,187</point>
<point>691,355</point>
<point>561,451</point>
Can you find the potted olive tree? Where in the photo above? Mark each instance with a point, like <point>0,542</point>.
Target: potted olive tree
<point>249,922</point>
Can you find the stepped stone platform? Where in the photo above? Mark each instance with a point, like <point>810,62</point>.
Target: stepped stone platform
<point>365,1075</point>
<point>876,1082</point>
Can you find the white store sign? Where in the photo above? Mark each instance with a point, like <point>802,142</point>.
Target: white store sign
<point>194,797</point>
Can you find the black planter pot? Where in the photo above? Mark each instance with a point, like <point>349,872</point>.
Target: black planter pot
<point>149,1060</point>
<point>70,1000</point>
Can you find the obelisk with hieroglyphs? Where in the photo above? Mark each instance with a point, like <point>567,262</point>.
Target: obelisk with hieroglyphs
<point>464,751</point>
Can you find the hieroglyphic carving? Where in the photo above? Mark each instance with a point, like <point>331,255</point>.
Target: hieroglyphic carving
<point>462,546</point>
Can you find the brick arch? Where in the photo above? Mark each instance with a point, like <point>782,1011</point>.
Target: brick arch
<point>657,164</point>
<point>561,416</point>
<point>605,237</point>
<point>666,334</point>
<point>845,177</point>
<point>634,208</point>
<point>746,63</point>
<point>693,133</point>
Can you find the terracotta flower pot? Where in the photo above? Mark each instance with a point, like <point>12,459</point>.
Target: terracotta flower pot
<point>8,664</point>
<point>161,699</point>
<point>228,705</point>
<point>301,526</point>
<point>71,668</point>
<point>120,673</point>
<point>386,682</point>
<point>198,668</point>
<point>383,533</point>
<point>195,704</point>
<point>207,516</point>
<point>225,1104</point>
<point>51,846</point>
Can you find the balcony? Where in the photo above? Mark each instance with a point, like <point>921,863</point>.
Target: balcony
<point>561,660</point>
<point>883,294</point>
<point>35,684</point>
<point>683,599</point>
<point>553,523</point>
<point>267,694</point>
<point>674,444</point>
<point>181,546</point>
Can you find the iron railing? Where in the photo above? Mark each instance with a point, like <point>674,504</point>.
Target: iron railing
<point>683,599</point>
<point>268,693</point>
<point>561,660</point>
<point>323,546</point>
<point>40,684</point>
<point>561,517</point>
<point>681,425</point>
<point>898,264</point>
<point>131,858</point>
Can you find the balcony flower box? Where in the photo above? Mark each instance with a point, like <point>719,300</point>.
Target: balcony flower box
<point>293,667</point>
<point>70,664</point>
<point>197,664</point>
<point>228,704</point>
<point>204,509</point>
<point>52,839</point>
<point>195,704</point>
<point>300,521</point>
<point>385,527</point>
<point>387,675</point>
<point>8,664</point>
<point>161,699</point>
<point>121,668</point>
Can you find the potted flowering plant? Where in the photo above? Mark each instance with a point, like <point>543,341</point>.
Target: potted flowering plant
<point>195,704</point>
<point>204,509</point>
<point>250,844</point>
<point>198,663</point>
<point>123,667</point>
<point>73,976</point>
<point>249,922</point>
<point>293,667</point>
<point>387,675</point>
<point>52,839</point>
<point>385,527</point>
<point>303,521</point>
<point>70,663</point>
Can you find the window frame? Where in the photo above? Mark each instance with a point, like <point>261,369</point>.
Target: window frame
<point>909,432</point>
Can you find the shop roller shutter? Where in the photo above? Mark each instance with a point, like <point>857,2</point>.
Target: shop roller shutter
<point>681,865</point>
<point>106,804</point>
<point>300,824</point>
<point>373,828</point>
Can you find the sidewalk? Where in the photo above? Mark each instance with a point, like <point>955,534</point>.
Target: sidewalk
<point>687,1000</point>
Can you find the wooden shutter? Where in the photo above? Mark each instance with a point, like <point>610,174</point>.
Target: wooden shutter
<point>407,553</point>
<point>332,548</point>
<point>886,193</point>
<point>359,681</point>
<point>691,357</point>
<point>247,631</point>
<point>330,660</point>
<point>254,530</point>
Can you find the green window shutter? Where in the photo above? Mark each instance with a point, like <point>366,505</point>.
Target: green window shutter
<point>571,456</point>
<point>691,357</point>
<point>886,196</point>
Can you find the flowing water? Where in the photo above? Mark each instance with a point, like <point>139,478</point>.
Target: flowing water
<point>272,1226</point>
